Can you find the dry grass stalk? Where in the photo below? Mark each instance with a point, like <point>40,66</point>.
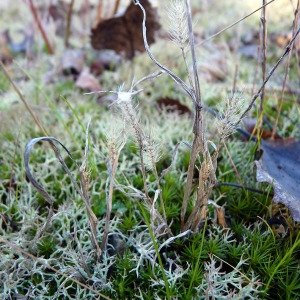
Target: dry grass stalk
<point>264,58</point>
<point>115,143</point>
<point>69,18</point>
<point>44,35</point>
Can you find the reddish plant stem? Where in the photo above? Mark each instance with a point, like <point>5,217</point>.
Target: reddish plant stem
<point>99,12</point>
<point>36,18</point>
<point>69,18</point>
<point>116,6</point>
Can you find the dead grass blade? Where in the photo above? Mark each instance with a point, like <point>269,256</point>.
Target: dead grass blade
<point>84,182</point>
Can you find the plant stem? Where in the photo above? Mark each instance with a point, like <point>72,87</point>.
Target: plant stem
<point>36,18</point>
<point>68,31</point>
<point>264,58</point>
<point>286,52</point>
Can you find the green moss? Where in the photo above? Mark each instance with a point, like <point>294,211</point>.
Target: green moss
<point>46,246</point>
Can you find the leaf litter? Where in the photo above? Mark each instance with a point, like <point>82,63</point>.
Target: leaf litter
<point>279,165</point>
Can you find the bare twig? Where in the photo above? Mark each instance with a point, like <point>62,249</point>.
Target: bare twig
<point>264,59</point>
<point>68,30</point>
<point>36,18</point>
<point>232,162</point>
<point>117,4</point>
<point>235,79</point>
<point>263,54</point>
<point>99,12</point>
<point>286,52</point>
<point>232,184</point>
<point>233,24</point>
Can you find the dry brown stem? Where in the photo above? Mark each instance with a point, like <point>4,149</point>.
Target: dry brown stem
<point>286,52</point>
<point>41,29</point>
<point>69,18</point>
<point>263,59</point>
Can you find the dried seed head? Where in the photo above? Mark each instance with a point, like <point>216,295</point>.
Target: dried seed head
<point>178,23</point>
<point>230,116</point>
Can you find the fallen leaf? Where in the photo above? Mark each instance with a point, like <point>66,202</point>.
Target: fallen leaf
<point>279,165</point>
<point>87,81</point>
<point>123,34</point>
<point>172,105</point>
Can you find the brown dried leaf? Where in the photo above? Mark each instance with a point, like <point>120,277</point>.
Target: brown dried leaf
<point>280,165</point>
<point>172,105</point>
<point>124,34</point>
<point>87,81</point>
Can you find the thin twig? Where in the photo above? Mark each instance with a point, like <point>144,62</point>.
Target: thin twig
<point>233,24</point>
<point>232,162</point>
<point>235,79</point>
<point>218,185</point>
<point>69,17</point>
<point>117,4</point>
<point>36,18</point>
<point>264,60</point>
<point>287,50</point>
<point>99,12</point>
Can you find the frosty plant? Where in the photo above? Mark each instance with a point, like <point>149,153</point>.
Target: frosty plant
<point>204,153</point>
